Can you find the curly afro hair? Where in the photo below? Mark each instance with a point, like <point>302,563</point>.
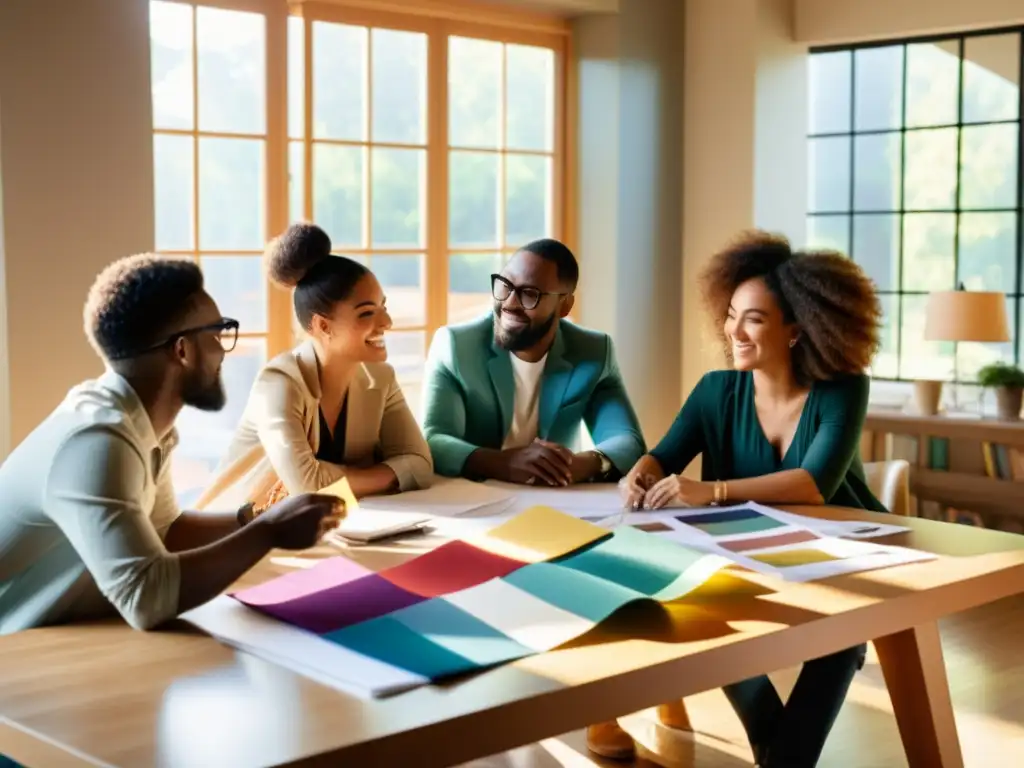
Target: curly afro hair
<point>137,301</point>
<point>824,293</point>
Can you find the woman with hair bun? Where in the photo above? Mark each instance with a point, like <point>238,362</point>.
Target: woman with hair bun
<point>330,407</point>
<point>782,426</point>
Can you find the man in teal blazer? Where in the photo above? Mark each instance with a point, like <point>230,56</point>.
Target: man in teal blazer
<point>505,395</point>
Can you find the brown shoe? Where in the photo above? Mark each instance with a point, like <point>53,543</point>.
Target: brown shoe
<point>610,741</point>
<point>674,715</point>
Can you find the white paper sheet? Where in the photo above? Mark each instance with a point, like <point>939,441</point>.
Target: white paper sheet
<point>303,652</point>
<point>447,497</point>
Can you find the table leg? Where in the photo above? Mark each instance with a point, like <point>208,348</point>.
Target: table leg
<point>915,675</point>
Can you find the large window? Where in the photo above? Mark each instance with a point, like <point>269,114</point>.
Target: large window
<point>428,148</point>
<point>209,149</point>
<point>915,172</point>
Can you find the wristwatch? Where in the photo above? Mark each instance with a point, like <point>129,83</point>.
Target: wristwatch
<point>606,467</point>
<point>245,514</point>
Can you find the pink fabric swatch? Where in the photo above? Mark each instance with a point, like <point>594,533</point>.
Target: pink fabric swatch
<point>324,575</point>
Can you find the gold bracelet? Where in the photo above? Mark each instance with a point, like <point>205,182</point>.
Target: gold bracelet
<point>725,491</point>
<point>717,493</point>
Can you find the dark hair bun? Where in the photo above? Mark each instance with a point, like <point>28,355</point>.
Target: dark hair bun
<point>294,252</point>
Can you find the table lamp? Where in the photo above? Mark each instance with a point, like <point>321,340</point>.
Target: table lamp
<point>957,316</point>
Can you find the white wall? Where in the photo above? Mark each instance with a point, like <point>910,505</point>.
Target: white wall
<point>76,157</point>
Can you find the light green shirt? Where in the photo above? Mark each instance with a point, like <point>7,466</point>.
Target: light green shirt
<point>86,502</point>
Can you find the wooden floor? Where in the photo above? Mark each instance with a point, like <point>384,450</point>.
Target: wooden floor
<point>984,652</point>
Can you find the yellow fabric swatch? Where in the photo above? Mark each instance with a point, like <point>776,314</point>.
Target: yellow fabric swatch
<point>537,534</point>
<point>788,558</point>
<point>343,491</point>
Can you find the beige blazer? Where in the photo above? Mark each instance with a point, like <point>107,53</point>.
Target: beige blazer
<point>279,434</point>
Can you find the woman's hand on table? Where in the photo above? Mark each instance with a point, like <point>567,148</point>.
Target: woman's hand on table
<point>676,488</point>
<point>644,476</point>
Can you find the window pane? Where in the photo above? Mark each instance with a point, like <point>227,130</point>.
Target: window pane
<point>399,86</point>
<point>829,175</point>
<point>988,167</point>
<point>933,83</point>
<point>469,284</point>
<point>920,359</point>
<point>338,193</point>
<point>473,199</point>
<point>876,176</point>
<point>530,106</point>
<point>886,362</point>
<point>930,170</point>
<point>238,286</point>
<point>205,435</point>
<point>172,192</point>
<point>928,251</point>
<point>232,70</point>
<point>876,247</point>
<point>527,198</point>
<point>991,75</point>
<point>296,181</point>
<point>474,92</point>
<point>829,76</point>
<point>829,233</point>
<point>296,77</point>
<point>401,277</point>
<point>988,251</point>
<point>170,36</point>
<point>339,81</point>
<point>231,194</point>
<point>397,188</point>
<point>879,82</point>
<point>972,355</point>
<point>407,355</point>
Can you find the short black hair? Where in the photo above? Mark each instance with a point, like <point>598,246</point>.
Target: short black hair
<point>137,301</point>
<point>553,250</point>
<point>300,258</point>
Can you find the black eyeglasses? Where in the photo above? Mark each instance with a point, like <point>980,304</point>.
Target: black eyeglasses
<point>226,331</point>
<point>529,297</point>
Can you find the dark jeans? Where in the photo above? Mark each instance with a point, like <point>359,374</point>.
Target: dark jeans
<point>792,735</point>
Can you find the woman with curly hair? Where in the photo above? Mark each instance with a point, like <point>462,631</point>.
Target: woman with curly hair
<point>783,426</point>
<point>331,407</point>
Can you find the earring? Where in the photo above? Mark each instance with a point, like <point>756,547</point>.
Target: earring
<point>792,343</point>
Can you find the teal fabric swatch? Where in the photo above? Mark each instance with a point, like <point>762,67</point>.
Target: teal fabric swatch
<point>572,590</point>
<point>751,525</point>
<point>641,561</point>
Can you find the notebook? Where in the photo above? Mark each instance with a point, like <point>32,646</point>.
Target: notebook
<point>365,525</point>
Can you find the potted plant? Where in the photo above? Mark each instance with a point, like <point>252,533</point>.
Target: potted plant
<point>1008,382</point>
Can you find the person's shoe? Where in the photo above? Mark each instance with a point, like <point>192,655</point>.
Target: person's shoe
<point>673,715</point>
<point>610,741</point>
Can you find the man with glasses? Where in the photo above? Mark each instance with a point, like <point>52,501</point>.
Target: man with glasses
<point>506,395</point>
<point>88,522</point>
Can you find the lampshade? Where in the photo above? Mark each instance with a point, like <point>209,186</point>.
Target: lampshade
<point>966,316</point>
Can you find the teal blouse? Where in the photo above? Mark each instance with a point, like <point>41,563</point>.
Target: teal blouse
<point>719,422</point>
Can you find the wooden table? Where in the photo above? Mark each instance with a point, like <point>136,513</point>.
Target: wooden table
<point>102,694</point>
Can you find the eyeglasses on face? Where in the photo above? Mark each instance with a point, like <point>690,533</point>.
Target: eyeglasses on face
<point>226,331</point>
<point>529,297</point>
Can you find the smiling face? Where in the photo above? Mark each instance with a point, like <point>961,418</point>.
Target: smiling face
<point>528,301</point>
<point>356,326</point>
<point>758,333</point>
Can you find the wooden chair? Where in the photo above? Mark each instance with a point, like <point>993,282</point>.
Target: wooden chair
<point>890,482</point>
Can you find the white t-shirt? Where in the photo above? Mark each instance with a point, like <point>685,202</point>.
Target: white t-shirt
<point>523,429</point>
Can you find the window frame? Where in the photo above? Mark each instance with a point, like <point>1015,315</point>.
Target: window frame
<point>897,294</point>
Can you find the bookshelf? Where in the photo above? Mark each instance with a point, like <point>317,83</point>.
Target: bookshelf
<point>963,469</point>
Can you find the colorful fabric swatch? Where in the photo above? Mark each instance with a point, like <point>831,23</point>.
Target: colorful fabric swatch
<point>772,540</point>
<point>526,586</point>
<point>731,522</point>
<point>655,527</point>
<point>537,534</point>
<point>449,568</point>
<point>788,558</point>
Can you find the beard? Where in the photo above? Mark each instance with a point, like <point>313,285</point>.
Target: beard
<point>520,338</point>
<point>204,393</point>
